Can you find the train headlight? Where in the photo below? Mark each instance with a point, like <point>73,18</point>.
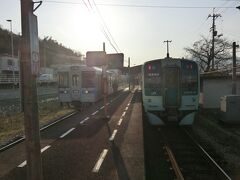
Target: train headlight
<point>63,91</point>
<point>86,91</point>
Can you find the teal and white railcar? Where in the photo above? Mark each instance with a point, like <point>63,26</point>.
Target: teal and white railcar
<point>170,91</point>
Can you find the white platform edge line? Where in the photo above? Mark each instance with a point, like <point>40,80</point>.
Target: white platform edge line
<point>66,133</point>
<point>24,163</point>
<point>45,148</point>
<point>95,113</point>
<point>120,121</point>
<point>113,135</point>
<point>100,161</point>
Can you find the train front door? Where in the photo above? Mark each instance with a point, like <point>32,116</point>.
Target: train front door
<point>171,87</point>
<point>75,87</point>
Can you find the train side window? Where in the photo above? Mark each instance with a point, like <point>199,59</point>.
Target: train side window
<point>152,80</point>
<point>110,81</point>
<point>10,62</point>
<point>63,79</point>
<point>189,78</point>
<point>75,80</point>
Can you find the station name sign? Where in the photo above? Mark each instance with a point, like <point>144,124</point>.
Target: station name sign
<point>96,58</point>
<point>115,61</point>
<point>100,58</point>
<point>34,44</point>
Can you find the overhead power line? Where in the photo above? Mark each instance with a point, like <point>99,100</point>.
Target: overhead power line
<point>115,46</point>
<point>143,6</point>
<point>92,8</point>
<point>86,5</point>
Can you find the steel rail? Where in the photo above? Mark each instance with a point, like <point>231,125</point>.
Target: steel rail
<point>174,163</point>
<point>21,139</point>
<point>172,158</point>
<point>220,170</point>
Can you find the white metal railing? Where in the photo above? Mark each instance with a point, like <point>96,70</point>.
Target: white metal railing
<point>10,78</point>
<point>14,79</point>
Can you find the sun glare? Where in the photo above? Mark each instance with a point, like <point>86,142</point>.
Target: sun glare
<point>81,30</point>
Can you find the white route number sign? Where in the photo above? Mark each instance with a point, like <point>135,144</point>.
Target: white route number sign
<point>34,44</point>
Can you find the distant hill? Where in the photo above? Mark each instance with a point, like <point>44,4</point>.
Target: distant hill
<point>5,41</point>
<point>51,51</point>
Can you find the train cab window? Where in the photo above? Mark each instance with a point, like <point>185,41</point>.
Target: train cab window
<point>75,80</point>
<point>10,62</point>
<point>63,79</point>
<point>189,78</point>
<point>152,79</point>
<point>88,79</point>
<point>110,81</point>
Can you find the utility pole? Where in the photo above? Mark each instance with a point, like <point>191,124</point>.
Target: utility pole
<point>214,33</point>
<point>105,85</point>
<point>44,64</point>
<point>234,78</point>
<point>30,62</point>
<point>167,47</point>
<point>129,85</point>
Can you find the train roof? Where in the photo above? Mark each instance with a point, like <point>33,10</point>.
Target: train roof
<point>83,67</point>
<point>170,59</point>
<point>114,71</point>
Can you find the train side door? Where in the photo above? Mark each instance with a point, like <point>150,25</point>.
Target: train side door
<point>171,87</point>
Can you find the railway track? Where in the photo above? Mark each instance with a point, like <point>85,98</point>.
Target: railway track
<point>231,128</point>
<point>13,105</point>
<point>22,138</point>
<point>188,159</point>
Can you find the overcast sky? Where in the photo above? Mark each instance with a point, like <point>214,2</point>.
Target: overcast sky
<point>138,27</point>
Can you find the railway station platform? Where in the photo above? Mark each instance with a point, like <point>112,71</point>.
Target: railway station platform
<point>132,148</point>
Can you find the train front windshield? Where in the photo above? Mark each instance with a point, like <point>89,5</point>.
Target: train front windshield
<point>152,79</point>
<point>189,78</point>
<point>88,79</point>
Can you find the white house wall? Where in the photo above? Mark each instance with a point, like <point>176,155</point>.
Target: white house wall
<point>213,89</point>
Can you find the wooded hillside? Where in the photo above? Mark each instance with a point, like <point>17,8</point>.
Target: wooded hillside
<point>51,51</point>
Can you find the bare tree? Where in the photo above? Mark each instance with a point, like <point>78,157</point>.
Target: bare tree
<point>202,53</point>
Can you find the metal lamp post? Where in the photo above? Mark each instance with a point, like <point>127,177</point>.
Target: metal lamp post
<point>13,70</point>
<point>9,20</point>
